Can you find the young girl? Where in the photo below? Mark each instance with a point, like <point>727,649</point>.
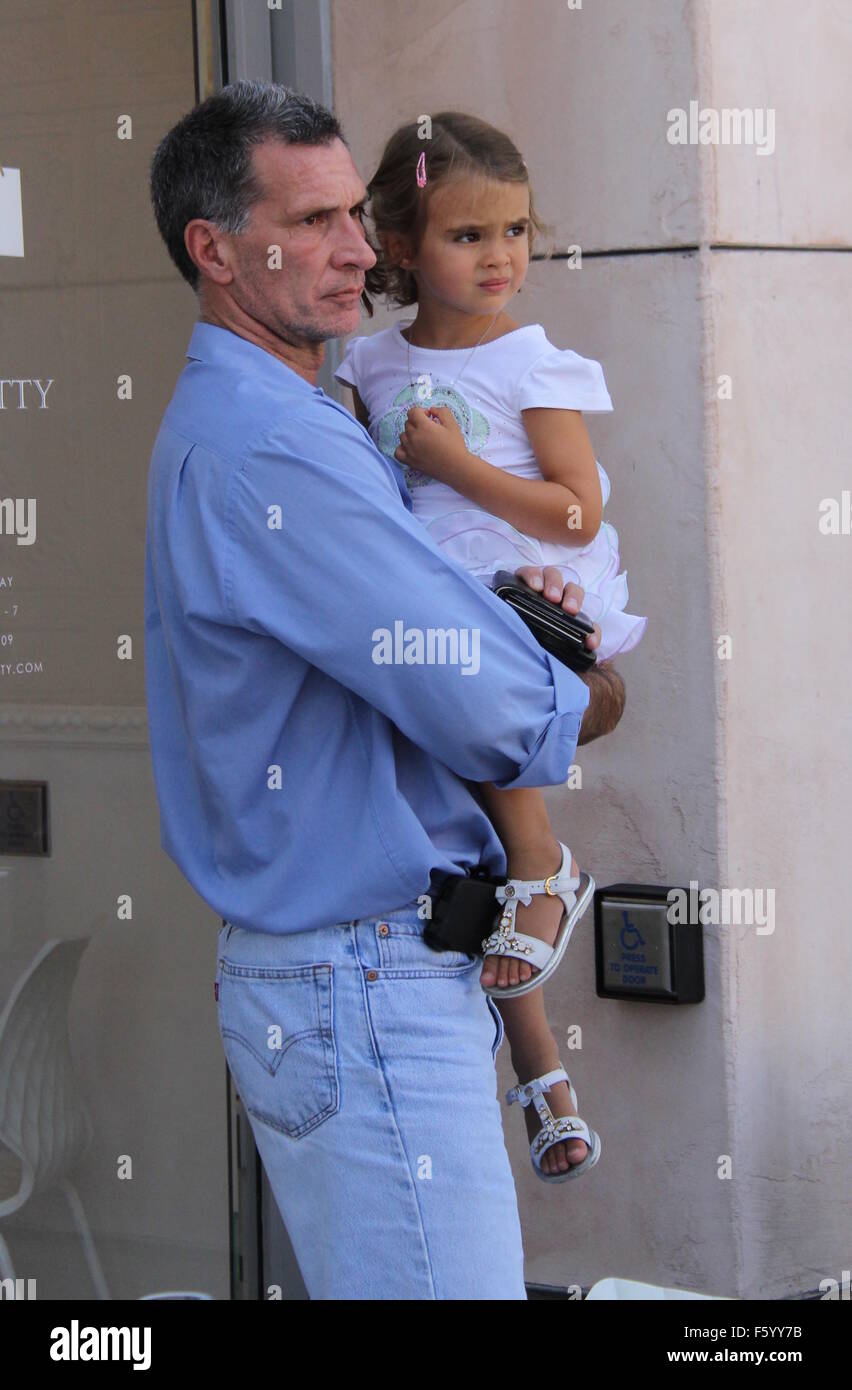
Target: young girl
<point>485,418</point>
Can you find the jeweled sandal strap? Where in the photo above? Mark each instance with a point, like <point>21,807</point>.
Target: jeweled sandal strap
<point>566,1127</point>
<point>518,946</point>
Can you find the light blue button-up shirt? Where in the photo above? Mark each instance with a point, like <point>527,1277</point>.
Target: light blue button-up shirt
<point>311,748</point>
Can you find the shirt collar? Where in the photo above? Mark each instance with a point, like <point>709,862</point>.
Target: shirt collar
<point>210,343</point>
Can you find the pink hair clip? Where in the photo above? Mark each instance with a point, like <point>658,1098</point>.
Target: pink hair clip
<point>421,170</point>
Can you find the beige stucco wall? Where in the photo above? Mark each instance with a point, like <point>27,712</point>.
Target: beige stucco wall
<point>781,331</point>
<point>733,773</point>
<point>778,326</point>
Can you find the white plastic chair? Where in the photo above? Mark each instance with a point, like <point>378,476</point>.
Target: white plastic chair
<point>45,1128</point>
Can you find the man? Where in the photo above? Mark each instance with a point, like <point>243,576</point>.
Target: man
<point>306,791</point>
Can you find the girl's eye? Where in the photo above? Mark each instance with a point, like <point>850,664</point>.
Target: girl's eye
<point>517,228</point>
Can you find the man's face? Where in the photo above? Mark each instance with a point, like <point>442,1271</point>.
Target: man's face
<point>312,195</point>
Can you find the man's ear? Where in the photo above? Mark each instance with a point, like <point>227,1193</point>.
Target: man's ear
<point>204,246</point>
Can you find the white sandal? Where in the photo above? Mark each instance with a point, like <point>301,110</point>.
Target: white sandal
<point>506,941</point>
<point>554,1130</point>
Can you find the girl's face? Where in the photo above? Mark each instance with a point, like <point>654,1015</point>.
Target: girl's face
<point>475,250</point>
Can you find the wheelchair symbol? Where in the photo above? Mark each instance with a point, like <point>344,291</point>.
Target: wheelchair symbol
<point>629,931</point>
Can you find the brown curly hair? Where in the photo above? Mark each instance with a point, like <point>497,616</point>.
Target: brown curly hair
<point>460,145</point>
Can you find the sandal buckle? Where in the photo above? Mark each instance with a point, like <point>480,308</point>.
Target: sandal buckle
<point>547,882</point>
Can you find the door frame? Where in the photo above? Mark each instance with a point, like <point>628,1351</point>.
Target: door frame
<point>290,44</point>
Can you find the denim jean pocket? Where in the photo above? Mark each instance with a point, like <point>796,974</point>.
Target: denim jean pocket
<point>277,1027</point>
<point>498,1019</point>
<point>403,951</point>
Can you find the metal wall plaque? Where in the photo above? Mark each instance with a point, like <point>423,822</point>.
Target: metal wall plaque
<point>639,953</point>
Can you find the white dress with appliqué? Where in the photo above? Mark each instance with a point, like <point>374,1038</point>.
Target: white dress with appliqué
<point>519,370</point>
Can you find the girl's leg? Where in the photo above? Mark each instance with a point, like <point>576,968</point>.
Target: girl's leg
<point>535,1051</point>
<point>532,851</point>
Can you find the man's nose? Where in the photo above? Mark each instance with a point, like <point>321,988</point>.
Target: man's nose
<point>355,249</point>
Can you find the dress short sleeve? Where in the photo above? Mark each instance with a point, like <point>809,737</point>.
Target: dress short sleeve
<point>347,372</point>
<point>563,379</point>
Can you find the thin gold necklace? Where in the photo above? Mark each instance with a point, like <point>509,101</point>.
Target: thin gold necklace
<point>464,364</point>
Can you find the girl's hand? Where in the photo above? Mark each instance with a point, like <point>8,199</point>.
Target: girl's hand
<point>432,442</point>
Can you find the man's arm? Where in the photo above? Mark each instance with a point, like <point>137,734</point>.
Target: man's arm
<point>606,687</point>
<point>321,555</point>
<point>606,702</point>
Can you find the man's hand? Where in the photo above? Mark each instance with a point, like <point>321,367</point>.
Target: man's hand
<point>548,581</point>
<point>606,687</point>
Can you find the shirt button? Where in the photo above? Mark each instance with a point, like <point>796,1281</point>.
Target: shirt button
<point>372,974</point>
<point>383,929</point>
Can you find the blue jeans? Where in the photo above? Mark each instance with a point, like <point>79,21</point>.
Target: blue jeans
<point>365,1062</point>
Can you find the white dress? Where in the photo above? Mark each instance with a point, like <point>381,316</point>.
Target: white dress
<point>512,373</point>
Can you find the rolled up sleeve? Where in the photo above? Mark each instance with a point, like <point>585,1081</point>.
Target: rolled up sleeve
<point>550,759</point>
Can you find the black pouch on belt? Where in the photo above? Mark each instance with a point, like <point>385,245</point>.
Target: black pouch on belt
<point>464,910</point>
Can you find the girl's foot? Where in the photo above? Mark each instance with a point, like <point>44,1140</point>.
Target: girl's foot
<point>567,1154</point>
<point>540,919</point>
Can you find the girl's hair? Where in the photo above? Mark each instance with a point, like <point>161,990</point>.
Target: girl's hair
<point>460,146</point>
